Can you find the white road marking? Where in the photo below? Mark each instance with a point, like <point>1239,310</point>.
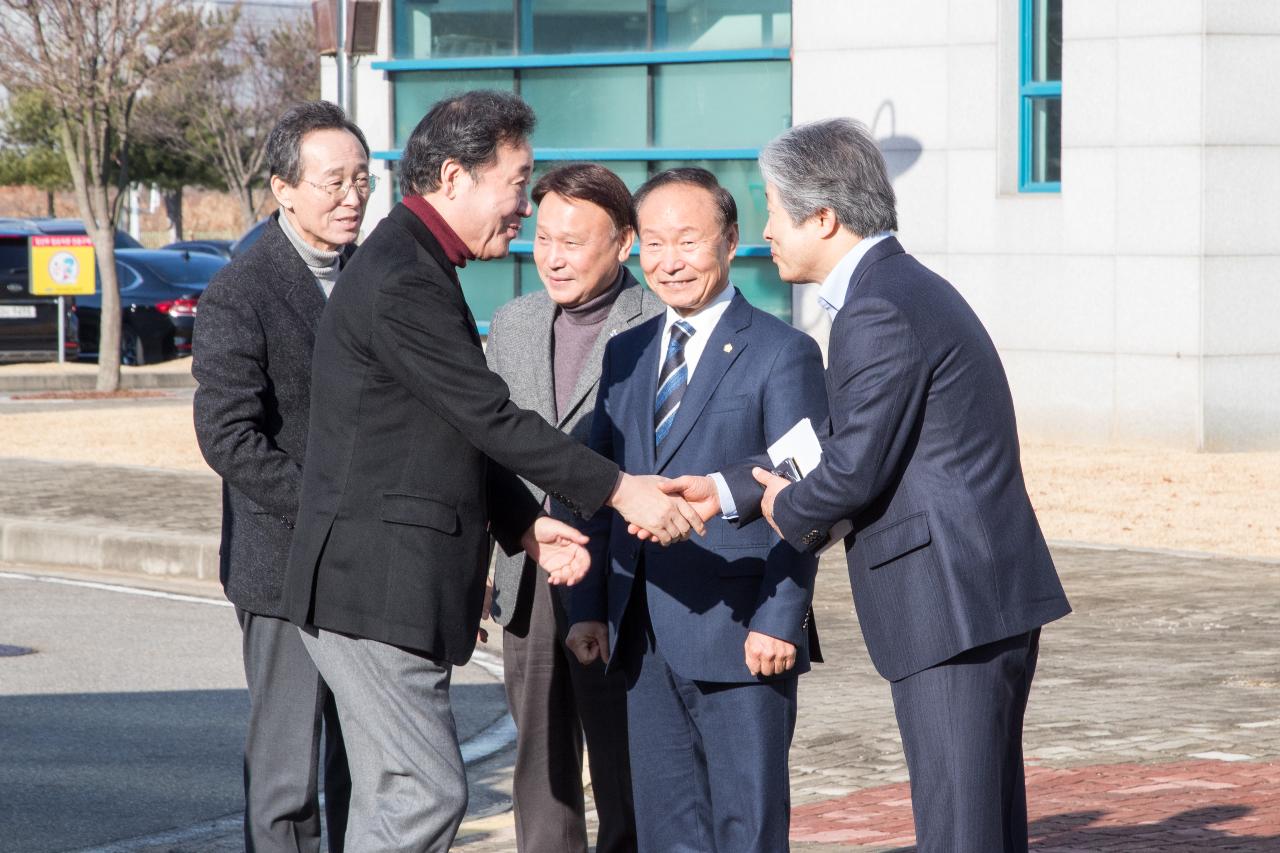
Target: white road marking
<point>493,739</point>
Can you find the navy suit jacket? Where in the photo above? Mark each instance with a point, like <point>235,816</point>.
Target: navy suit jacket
<point>922,454</point>
<point>756,377</point>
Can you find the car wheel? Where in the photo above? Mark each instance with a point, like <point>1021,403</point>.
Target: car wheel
<point>132,351</point>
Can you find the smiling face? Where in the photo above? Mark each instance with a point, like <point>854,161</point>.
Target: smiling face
<point>577,249</point>
<point>684,250</point>
<point>329,156</point>
<point>491,205</point>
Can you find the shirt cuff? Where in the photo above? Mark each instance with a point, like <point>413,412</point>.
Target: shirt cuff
<point>728,509</point>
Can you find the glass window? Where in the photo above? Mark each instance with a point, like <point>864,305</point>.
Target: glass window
<point>488,285</point>
<point>741,178</point>
<point>758,280</point>
<point>1041,96</point>
<point>434,29</point>
<point>722,24</point>
<point>720,104</point>
<point>588,107</point>
<point>416,91</point>
<point>586,26</point>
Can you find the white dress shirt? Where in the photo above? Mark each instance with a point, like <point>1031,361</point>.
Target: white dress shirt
<point>834,287</point>
<point>703,323</point>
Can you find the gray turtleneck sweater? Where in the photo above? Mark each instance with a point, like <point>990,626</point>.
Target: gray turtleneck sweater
<point>574,333</point>
<point>323,265</point>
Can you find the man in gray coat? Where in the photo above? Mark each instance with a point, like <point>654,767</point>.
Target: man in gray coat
<point>548,347</point>
<point>254,336</point>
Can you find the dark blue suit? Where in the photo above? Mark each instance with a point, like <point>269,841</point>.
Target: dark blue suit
<point>709,739</point>
<point>950,573</point>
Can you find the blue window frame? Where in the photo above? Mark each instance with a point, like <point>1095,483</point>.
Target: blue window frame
<point>1040,95</point>
<point>610,96</point>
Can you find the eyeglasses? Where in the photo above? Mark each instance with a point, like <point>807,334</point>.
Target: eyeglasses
<point>337,190</point>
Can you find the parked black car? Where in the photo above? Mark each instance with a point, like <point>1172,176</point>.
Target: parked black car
<point>159,291</point>
<point>221,248</point>
<point>249,237</point>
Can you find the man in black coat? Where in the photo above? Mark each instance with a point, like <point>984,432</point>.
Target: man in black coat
<point>254,334</point>
<point>414,452</point>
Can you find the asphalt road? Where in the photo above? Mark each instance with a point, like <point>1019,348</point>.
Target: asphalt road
<point>127,722</point>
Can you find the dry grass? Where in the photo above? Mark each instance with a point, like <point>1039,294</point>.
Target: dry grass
<point>1222,503</point>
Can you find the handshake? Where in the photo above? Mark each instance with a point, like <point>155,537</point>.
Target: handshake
<point>656,509</point>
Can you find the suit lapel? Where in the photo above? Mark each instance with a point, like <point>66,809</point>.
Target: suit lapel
<point>542,319</point>
<point>300,290</point>
<point>647,364</point>
<point>624,314</point>
<point>723,348</point>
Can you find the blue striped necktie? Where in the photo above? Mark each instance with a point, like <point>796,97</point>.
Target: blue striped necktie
<point>672,381</point>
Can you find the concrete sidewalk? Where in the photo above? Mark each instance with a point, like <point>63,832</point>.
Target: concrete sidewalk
<point>110,518</point>
<point>83,376</point>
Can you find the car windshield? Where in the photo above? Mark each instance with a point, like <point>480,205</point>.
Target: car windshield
<point>13,255</point>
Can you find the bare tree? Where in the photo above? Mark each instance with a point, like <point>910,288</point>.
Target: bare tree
<point>92,59</point>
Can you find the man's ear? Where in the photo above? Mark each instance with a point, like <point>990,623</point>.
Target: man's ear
<point>282,191</point>
<point>451,175</point>
<point>626,240</point>
<point>733,238</point>
<point>826,222</point>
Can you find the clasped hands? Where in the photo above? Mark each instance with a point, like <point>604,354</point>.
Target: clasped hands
<point>700,494</point>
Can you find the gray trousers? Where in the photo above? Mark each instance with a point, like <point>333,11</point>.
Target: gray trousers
<point>408,783</point>
<point>555,700</point>
<point>288,701</point>
<point>961,725</point>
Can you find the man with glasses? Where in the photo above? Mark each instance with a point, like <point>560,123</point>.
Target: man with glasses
<point>253,343</point>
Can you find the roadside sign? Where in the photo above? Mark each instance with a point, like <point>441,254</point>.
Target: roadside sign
<point>62,265</point>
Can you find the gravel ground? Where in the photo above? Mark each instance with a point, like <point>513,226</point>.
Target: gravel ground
<point>1134,497</point>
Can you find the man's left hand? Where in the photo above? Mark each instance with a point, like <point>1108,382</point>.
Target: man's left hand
<point>767,655</point>
<point>773,484</point>
<point>558,548</point>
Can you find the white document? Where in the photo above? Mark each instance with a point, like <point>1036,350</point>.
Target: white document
<point>801,445</point>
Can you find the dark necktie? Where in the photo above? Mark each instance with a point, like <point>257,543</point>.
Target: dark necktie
<point>672,380</point>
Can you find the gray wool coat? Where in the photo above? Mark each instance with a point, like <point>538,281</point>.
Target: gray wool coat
<point>254,334</point>
<point>519,350</point>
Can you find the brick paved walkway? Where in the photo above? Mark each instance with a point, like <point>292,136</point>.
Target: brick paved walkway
<point>1154,721</point>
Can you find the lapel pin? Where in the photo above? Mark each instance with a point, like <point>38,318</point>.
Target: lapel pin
<point>728,347</point>
<point>613,332</point>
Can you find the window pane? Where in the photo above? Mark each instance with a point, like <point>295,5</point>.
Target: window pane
<point>1046,140</point>
<point>1046,40</point>
<point>743,180</point>
<point>432,29</point>
<point>587,107</point>
<point>758,280</point>
<point>587,26</point>
<point>416,91</point>
<point>722,24</point>
<point>721,104</point>
<point>488,285</point>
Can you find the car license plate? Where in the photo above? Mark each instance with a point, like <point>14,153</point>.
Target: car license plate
<point>17,312</point>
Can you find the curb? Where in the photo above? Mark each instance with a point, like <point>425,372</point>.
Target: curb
<point>120,550</point>
<point>20,382</point>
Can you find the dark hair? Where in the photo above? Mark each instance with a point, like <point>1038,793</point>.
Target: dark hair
<point>284,145</point>
<point>726,207</point>
<point>467,128</point>
<point>591,183</point>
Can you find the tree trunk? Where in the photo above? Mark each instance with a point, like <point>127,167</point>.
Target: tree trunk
<point>48,198</point>
<point>109,320</point>
<point>173,209</point>
<point>247,214</point>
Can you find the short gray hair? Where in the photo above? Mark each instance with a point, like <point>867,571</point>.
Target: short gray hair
<point>836,164</point>
<point>467,128</point>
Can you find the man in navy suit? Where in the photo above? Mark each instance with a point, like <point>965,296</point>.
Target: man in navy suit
<point>950,573</point>
<point>712,633</point>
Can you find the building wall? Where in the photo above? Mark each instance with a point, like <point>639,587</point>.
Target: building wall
<point>1137,306</point>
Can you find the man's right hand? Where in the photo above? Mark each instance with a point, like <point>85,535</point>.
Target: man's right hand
<point>698,492</point>
<point>588,641</point>
<point>645,506</point>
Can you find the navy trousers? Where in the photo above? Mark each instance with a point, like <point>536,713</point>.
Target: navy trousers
<point>709,770</point>
<point>961,725</point>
